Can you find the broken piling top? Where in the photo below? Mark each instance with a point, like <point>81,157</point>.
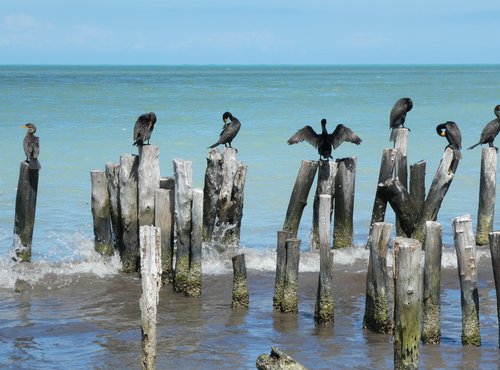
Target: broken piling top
<point>148,182</point>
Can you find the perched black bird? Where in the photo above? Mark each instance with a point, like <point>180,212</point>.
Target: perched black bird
<point>143,128</point>
<point>398,113</point>
<point>490,131</point>
<point>229,131</point>
<point>31,144</point>
<point>452,133</point>
<point>324,141</point>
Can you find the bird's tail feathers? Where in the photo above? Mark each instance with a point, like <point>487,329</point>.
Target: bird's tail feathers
<point>457,153</point>
<point>213,145</point>
<point>472,147</point>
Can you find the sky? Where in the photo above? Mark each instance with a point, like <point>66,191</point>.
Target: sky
<point>164,32</point>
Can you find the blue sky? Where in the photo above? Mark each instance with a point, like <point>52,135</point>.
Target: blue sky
<point>249,32</point>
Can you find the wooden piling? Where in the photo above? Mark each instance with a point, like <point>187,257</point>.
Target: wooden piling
<point>487,189</point>
<point>494,239</point>
<point>193,287</point>
<point>377,317</point>
<point>407,302</point>
<point>235,214</point>
<point>113,178</point>
<point>290,301</point>
<point>431,327</point>
<point>183,198</point>
<point>324,312</point>
<point>213,179</point>
<point>167,182</point>
<point>327,170</point>
<point>240,283</point>
<point>465,247</point>
<point>400,138</point>
<point>344,203</point>
<point>298,198</point>
<point>279,282</point>
<point>164,219</point>
<point>101,213</point>
<point>148,181</point>
<point>417,184</point>
<point>128,209</point>
<point>150,256</point>
<point>24,219</point>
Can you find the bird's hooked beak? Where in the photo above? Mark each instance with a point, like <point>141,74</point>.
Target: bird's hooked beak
<point>443,133</point>
<point>24,126</point>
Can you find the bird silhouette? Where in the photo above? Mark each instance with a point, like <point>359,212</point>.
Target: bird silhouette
<point>231,128</point>
<point>452,133</point>
<point>31,145</point>
<point>398,114</point>
<point>143,128</point>
<point>490,131</point>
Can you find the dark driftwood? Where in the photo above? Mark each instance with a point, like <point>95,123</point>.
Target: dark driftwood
<point>487,188</point>
<point>193,287</point>
<point>327,170</point>
<point>465,246</point>
<point>164,219</point>
<point>344,202</point>
<point>279,282</point>
<point>290,301</point>
<point>407,302</point>
<point>213,180</point>
<point>167,183</point>
<point>150,256</point>
<point>183,199</point>
<point>101,213</point>
<point>113,177</point>
<point>298,198</point>
<point>241,298</point>
<point>324,313</point>
<point>431,327</point>
<point>377,317</point>
<point>24,219</point>
<point>128,211</point>
<point>417,184</point>
<point>148,182</point>
<point>278,360</point>
<point>401,202</point>
<point>494,239</point>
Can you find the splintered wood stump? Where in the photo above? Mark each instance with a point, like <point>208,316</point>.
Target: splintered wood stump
<point>290,300</point>
<point>279,282</point>
<point>101,213</point>
<point>324,313</point>
<point>344,203</point>
<point>148,182</point>
<point>183,198</point>
<point>407,302</point>
<point>278,360</point>
<point>377,317</point>
<point>417,184</point>
<point>494,239</point>
<point>193,288</point>
<point>24,219</point>
<point>213,180</point>
<point>150,255</point>
<point>327,171</point>
<point>128,210</point>
<point>164,219</point>
<point>431,327</point>
<point>113,178</point>
<point>465,247</point>
<point>487,189</point>
<point>298,198</point>
<point>240,283</point>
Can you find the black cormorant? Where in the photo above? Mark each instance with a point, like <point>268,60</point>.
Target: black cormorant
<point>229,131</point>
<point>143,128</point>
<point>452,133</point>
<point>31,144</point>
<point>398,113</point>
<point>490,131</point>
<point>324,141</point>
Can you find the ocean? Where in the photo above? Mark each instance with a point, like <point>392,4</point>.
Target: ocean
<point>72,308</point>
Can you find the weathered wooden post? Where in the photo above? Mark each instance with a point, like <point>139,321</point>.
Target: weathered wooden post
<point>240,283</point>
<point>279,282</point>
<point>150,256</point>
<point>128,209</point>
<point>113,178</point>
<point>494,239</point>
<point>193,287</point>
<point>101,213</point>
<point>327,171</point>
<point>465,246</point>
<point>324,312</point>
<point>148,182</point>
<point>377,317</point>
<point>487,188</point>
<point>400,137</point>
<point>298,198</point>
<point>417,184</point>
<point>232,235</point>
<point>24,219</point>
<point>164,219</point>
<point>278,360</point>
<point>183,198</point>
<point>407,302</point>
<point>290,301</point>
<point>213,180</point>
<point>344,202</point>
<point>431,327</point>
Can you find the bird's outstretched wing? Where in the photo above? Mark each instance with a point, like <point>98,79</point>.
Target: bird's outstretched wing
<point>341,134</point>
<point>306,133</point>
